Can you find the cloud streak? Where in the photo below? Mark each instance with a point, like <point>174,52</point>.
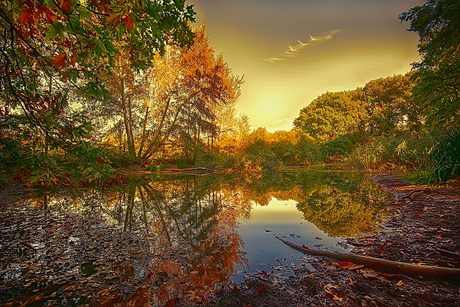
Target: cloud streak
<point>294,50</point>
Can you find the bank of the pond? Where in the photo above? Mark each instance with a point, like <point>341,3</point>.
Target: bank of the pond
<point>60,260</point>
<point>424,226</point>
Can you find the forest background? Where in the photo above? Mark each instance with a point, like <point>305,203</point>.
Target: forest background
<point>89,90</point>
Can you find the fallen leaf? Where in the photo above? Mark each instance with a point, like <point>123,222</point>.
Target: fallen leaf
<point>400,283</point>
<point>330,289</point>
<point>369,273</point>
<point>349,265</point>
<point>351,281</point>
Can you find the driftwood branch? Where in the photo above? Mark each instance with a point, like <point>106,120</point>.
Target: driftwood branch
<point>400,267</point>
<point>182,170</point>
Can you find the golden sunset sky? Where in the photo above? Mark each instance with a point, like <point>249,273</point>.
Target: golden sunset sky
<point>292,51</point>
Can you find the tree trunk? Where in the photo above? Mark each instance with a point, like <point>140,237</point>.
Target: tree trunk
<point>400,267</point>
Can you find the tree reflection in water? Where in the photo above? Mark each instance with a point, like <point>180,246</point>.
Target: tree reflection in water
<point>190,224</point>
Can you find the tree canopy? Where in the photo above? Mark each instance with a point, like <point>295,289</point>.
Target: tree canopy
<point>330,115</point>
<point>383,105</point>
<point>437,23</point>
<point>49,48</point>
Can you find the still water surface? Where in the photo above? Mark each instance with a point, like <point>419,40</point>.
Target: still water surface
<point>208,231</point>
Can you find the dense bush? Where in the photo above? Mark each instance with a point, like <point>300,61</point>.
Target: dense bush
<point>445,158</point>
<point>337,147</point>
<point>399,151</point>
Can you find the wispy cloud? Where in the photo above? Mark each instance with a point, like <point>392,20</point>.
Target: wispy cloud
<point>273,60</point>
<point>294,50</point>
<point>283,124</point>
<point>285,121</point>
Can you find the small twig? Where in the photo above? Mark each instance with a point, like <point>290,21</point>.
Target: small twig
<point>28,245</point>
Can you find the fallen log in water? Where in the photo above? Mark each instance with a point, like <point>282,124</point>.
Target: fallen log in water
<point>400,267</point>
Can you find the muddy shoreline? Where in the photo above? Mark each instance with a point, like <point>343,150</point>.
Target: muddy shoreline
<point>425,221</point>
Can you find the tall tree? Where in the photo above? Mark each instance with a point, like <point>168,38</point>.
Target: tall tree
<point>437,23</point>
<point>175,101</point>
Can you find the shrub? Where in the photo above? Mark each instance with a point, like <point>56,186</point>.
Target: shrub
<point>401,151</point>
<point>339,146</point>
<point>445,158</point>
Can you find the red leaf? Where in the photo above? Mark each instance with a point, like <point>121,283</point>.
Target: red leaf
<point>127,22</point>
<point>39,12</point>
<point>26,17</point>
<point>59,60</point>
<point>66,6</point>
<point>259,290</point>
<point>264,273</point>
<point>49,15</point>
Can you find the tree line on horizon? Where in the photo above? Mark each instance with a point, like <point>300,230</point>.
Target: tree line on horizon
<point>88,88</point>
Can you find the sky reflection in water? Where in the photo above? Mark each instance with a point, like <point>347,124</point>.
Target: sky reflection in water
<point>278,219</point>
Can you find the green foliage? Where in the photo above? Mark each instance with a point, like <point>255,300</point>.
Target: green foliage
<point>445,158</point>
<point>152,168</point>
<point>40,169</point>
<point>403,151</point>
<point>337,147</point>
<point>437,23</point>
<point>331,115</point>
<point>92,165</point>
<point>88,164</point>
<point>390,105</point>
<point>305,152</point>
<point>259,158</point>
<point>12,150</point>
<point>156,168</point>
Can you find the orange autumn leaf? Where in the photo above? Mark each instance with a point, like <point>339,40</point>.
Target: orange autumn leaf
<point>60,60</point>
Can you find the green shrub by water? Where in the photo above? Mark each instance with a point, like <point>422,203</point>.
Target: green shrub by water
<point>445,158</point>
<point>402,151</point>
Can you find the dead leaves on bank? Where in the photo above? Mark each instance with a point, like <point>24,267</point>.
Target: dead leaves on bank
<point>338,293</point>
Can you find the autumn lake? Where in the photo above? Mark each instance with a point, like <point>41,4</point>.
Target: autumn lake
<point>188,235</point>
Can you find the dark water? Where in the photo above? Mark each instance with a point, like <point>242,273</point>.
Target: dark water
<point>217,229</point>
